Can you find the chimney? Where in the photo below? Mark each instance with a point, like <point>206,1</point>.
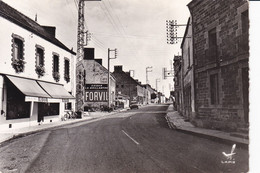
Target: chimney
<point>99,61</point>
<point>51,30</point>
<point>118,68</point>
<point>89,53</point>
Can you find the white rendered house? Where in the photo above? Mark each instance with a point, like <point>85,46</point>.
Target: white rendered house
<point>37,81</point>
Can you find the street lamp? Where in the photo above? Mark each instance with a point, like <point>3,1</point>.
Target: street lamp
<point>148,69</point>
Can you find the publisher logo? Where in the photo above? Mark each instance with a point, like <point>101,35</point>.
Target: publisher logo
<point>229,156</point>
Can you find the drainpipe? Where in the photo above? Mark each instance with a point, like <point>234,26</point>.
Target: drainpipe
<point>1,92</point>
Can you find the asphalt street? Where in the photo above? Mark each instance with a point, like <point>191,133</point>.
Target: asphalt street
<point>134,141</point>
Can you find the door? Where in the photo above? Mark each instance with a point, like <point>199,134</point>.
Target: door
<point>41,111</point>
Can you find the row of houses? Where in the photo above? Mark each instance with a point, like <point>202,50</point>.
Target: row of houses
<point>211,77</point>
<point>38,76</point>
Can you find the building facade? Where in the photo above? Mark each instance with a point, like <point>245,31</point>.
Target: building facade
<point>95,79</point>
<point>178,87</point>
<point>188,73</point>
<point>221,54</point>
<point>36,76</point>
<point>128,86</point>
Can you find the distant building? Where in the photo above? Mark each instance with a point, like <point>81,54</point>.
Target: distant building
<point>128,86</point>
<point>221,54</point>
<point>188,73</point>
<point>147,93</point>
<point>178,87</point>
<point>37,83</point>
<point>95,77</point>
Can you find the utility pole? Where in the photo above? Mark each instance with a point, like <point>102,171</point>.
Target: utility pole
<point>148,69</point>
<point>80,73</point>
<point>108,68</point>
<point>172,31</point>
<point>157,80</point>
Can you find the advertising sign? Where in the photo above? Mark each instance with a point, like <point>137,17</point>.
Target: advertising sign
<point>96,93</point>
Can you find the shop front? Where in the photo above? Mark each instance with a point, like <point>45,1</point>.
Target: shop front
<point>26,102</point>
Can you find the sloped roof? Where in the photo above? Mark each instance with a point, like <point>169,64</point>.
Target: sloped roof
<point>123,75</point>
<point>25,22</point>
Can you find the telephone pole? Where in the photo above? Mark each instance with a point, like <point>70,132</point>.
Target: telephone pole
<point>80,73</point>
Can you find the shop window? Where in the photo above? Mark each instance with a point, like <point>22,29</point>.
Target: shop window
<point>214,89</point>
<point>17,108</point>
<point>67,70</point>
<point>49,109</point>
<point>18,53</point>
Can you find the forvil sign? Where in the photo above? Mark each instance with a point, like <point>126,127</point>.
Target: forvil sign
<point>96,96</point>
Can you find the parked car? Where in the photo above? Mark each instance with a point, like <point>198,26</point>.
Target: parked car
<point>134,106</point>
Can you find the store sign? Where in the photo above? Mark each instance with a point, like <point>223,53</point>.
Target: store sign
<point>65,100</point>
<point>36,99</point>
<point>96,93</point>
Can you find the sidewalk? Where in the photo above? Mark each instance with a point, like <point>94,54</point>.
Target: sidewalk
<point>176,121</point>
<point>8,134</point>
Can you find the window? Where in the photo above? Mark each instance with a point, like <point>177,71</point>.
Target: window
<point>214,89</point>
<point>245,22</point>
<point>18,53</point>
<point>213,45</point>
<point>18,49</point>
<point>55,73</point>
<point>39,67</point>
<point>49,109</point>
<point>67,70</point>
<point>39,57</point>
<point>68,106</point>
<point>55,63</point>
<point>17,108</point>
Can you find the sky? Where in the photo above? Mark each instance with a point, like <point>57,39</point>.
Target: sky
<point>137,29</point>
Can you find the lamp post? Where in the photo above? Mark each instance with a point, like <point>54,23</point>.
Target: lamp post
<point>108,68</point>
<point>148,69</point>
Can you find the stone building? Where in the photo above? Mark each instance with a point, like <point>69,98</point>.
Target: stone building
<point>128,86</point>
<point>37,81</point>
<point>221,54</point>
<point>95,79</point>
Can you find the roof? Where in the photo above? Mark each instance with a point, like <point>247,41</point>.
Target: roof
<point>123,75</point>
<point>186,31</point>
<point>25,22</point>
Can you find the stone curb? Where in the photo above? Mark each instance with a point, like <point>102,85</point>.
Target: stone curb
<point>203,135</point>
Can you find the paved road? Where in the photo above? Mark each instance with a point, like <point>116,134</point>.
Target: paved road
<point>136,141</point>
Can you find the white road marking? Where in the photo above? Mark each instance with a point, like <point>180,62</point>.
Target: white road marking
<point>130,138</point>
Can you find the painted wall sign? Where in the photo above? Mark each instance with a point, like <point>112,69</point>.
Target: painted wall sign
<point>96,87</point>
<point>96,96</point>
